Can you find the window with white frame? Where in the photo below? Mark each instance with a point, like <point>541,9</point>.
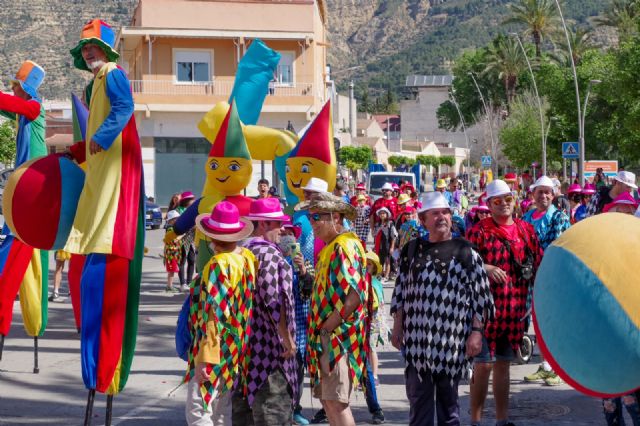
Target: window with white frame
<point>284,71</point>
<point>192,66</point>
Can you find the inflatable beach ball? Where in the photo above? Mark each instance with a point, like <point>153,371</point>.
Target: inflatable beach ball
<point>586,301</point>
<point>40,200</point>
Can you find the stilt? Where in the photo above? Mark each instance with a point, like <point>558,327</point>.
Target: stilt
<point>107,420</point>
<point>1,345</point>
<point>36,370</point>
<point>89,411</point>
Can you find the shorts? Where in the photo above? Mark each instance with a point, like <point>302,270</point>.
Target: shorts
<point>335,386</point>
<point>504,351</point>
<point>62,256</point>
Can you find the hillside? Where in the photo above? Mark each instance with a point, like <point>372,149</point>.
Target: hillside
<point>385,39</point>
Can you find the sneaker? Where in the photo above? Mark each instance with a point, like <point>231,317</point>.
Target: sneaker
<point>172,290</point>
<point>553,380</point>
<point>299,419</point>
<point>55,297</point>
<point>184,288</point>
<point>319,417</point>
<point>377,418</point>
<point>539,375</point>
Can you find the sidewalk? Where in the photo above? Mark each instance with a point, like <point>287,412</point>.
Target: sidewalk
<point>57,396</point>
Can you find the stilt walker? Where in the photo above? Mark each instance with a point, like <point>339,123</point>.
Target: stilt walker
<point>24,269</point>
<point>109,223</point>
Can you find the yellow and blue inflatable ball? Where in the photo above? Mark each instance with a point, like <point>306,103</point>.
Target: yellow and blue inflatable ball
<point>586,302</point>
<point>40,200</point>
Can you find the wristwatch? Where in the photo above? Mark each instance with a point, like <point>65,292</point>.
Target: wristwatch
<point>478,329</point>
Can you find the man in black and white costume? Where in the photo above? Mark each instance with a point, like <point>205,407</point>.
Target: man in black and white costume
<point>440,304</point>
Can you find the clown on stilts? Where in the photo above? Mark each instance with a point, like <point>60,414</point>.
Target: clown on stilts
<point>24,268</point>
<point>109,224</point>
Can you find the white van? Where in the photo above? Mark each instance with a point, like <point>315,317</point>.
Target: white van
<point>377,179</point>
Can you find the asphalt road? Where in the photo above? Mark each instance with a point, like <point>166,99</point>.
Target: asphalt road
<point>56,396</point>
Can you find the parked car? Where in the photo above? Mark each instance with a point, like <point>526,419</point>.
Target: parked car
<point>153,215</point>
<point>377,179</point>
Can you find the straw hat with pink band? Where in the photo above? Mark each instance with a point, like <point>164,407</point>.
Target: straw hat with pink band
<point>224,223</point>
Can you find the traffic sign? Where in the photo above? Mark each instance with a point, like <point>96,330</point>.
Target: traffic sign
<point>486,161</point>
<point>571,150</point>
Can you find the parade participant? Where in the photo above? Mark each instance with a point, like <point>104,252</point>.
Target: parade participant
<point>263,189</point>
<point>476,214</point>
<point>303,276</point>
<point>454,196</point>
<point>172,252</point>
<point>560,200</point>
<point>575,200</point>
<point>23,268</point>
<point>308,241</point>
<point>396,189</point>
<point>441,186</point>
<point>385,240</point>
<point>338,191</point>
<point>221,305</point>
<point>361,190</point>
<point>549,223</point>
<point>623,203</point>
<point>336,348</point>
<point>404,201</point>
<point>407,188</point>
<point>270,380</point>
<point>511,252</point>
<point>361,224</point>
<point>187,260</point>
<point>585,196</point>
<point>228,170</point>
<point>409,229</point>
<point>527,203</point>
<point>623,182</point>
<point>109,224</point>
<point>61,257</point>
<point>388,201</point>
<point>440,304</point>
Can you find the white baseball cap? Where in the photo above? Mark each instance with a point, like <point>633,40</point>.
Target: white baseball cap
<point>627,178</point>
<point>544,181</point>
<point>434,200</point>
<point>497,188</point>
<point>316,185</point>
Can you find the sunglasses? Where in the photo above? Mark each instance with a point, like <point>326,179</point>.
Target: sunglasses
<point>315,217</point>
<point>498,200</point>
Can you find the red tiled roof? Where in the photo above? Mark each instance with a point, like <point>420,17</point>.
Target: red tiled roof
<point>392,119</point>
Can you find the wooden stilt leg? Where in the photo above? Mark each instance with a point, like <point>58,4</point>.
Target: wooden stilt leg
<point>36,370</point>
<point>89,411</point>
<point>1,345</point>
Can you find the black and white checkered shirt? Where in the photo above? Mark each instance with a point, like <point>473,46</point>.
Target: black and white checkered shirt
<point>440,289</point>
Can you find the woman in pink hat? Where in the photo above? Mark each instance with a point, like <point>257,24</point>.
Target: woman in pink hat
<point>574,194</point>
<point>585,197</point>
<point>222,304</point>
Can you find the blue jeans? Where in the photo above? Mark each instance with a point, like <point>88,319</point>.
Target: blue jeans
<point>370,390</point>
<point>613,410</point>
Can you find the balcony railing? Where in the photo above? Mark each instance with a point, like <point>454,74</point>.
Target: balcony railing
<point>211,88</point>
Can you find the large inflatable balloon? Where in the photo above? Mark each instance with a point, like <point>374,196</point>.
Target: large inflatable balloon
<point>40,200</point>
<point>587,305</point>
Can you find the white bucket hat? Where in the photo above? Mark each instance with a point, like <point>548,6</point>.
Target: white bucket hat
<point>543,181</point>
<point>383,210</point>
<point>497,188</point>
<point>316,185</point>
<point>434,200</point>
<point>627,178</point>
<point>387,186</point>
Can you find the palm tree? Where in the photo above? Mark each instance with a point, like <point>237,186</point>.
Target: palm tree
<point>540,18</point>
<point>581,43</point>
<point>505,59</point>
<point>622,15</point>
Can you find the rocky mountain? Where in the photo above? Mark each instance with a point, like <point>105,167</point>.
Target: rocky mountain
<point>380,41</point>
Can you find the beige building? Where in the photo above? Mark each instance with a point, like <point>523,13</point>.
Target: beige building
<point>182,57</point>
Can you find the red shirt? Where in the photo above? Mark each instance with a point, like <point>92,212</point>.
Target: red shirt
<point>391,204</point>
<point>354,201</point>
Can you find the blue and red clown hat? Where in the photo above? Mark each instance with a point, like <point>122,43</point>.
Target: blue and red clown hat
<point>29,77</point>
<point>95,32</point>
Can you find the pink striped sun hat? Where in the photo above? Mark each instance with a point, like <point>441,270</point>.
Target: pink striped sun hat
<point>266,209</point>
<point>224,223</point>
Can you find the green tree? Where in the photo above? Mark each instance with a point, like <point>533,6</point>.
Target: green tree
<point>7,143</point>
<point>505,59</point>
<point>623,16</point>
<point>521,134</point>
<point>399,160</point>
<point>447,160</point>
<point>581,43</point>
<point>540,18</point>
<point>365,102</point>
<point>391,103</point>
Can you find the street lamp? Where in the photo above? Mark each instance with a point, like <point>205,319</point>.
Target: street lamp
<point>586,99</point>
<point>575,81</point>
<point>489,116</point>
<point>464,129</point>
<point>535,89</point>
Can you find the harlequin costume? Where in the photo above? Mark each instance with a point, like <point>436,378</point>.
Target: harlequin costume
<point>22,267</point>
<point>510,298</point>
<point>109,224</point>
<point>341,268</point>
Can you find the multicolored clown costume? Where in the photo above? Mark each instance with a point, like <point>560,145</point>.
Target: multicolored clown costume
<point>22,267</point>
<point>313,156</point>
<point>109,224</point>
<point>229,171</point>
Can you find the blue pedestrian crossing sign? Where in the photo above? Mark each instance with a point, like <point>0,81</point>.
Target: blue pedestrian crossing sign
<point>486,161</point>
<point>570,150</point>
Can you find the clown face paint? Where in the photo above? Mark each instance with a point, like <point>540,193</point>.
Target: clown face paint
<point>301,169</point>
<point>228,176</point>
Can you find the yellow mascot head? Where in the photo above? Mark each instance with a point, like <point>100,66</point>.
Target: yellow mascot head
<point>313,156</point>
